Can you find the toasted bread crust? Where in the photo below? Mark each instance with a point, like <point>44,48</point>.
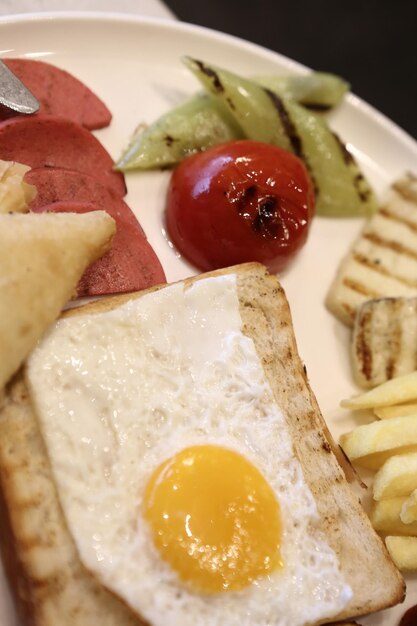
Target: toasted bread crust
<point>267,320</point>
<point>46,552</point>
<point>50,584</point>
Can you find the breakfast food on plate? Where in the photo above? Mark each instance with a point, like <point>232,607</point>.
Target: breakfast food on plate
<point>57,142</point>
<point>196,125</point>
<point>203,121</point>
<point>318,91</point>
<point>383,341</point>
<point>408,512</point>
<point>397,477</point>
<point>341,188</point>
<point>60,94</point>
<point>69,165</point>
<point>42,257</point>
<point>262,114</point>
<point>396,391</point>
<point>15,193</point>
<point>383,260</point>
<point>385,412</point>
<point>237,202</point>
<point>57,184</point>
<point>131,264</point>
<point>370,445</point>
<point>403,551</point>
<point>390,446</point>
<point>385,516</point>
<point>195,379</point>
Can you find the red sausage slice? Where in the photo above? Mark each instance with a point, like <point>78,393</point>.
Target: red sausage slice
<point>135,268</point>
<point>130,264</point>
<point>60,93</point>
<point>55,184</point>
<point>56,142</point>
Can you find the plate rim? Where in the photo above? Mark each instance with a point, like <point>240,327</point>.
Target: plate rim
<point>170,24</point>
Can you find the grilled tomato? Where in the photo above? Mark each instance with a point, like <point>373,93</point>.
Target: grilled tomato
<point>237,202</point>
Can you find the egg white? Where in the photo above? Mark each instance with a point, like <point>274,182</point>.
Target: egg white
<point>118,393</point>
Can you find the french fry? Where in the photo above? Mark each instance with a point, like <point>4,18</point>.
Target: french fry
<point>403,551</point>
<point>385,517</point>
<point>389,445</point>
<point>408,512</point>
<point>397,477</point>
<point>372,444</point>
<point>398,410</point>
<point>394,391</point>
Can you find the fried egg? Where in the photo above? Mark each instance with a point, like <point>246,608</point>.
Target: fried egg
<point>174,465</point>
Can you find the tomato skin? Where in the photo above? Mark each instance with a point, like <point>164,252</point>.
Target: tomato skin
<point>237,202</point>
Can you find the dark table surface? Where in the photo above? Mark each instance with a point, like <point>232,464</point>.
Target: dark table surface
<point>372,44</point>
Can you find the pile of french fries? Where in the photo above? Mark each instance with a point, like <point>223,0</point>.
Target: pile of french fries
<point>389,446</point>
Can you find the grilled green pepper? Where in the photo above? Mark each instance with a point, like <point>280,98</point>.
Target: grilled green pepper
<point>204,121</point>
<point>318,91</point>
<point>341,189</point>
<point>194,126</point>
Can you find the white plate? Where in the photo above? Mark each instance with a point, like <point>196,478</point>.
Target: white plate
<point>134,65</point>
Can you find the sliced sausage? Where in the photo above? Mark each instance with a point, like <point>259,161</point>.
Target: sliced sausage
<point>60,94</point>
<point>130,264</point>
<point>56,142</point>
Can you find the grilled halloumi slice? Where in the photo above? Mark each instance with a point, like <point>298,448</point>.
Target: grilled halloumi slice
<point>383,260</point>
<point>384,342</point>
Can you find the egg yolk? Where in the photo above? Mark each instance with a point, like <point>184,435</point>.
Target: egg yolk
<point>214,518</point>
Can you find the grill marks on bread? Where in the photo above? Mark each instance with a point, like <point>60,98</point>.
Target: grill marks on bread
<point>42,561</point>
<point>73,597</point>
<point>383,260</point>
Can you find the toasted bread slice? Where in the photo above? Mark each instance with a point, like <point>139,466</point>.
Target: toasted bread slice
<point>41,561</point>
<point>383,260</point>
<point>56,587</point>
<point>42,258</point>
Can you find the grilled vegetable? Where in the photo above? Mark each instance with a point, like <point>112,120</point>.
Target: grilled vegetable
<point>204,120</point>
<point>237,202</point>
<point>196,125</point>
<point>318,91</point>
<point>341,189</point>
<point>253,107</point>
